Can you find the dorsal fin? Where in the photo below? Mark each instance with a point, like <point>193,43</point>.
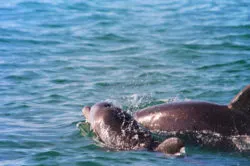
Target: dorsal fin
<point>241,102</point>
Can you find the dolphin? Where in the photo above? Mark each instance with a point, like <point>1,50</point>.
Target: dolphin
<point>118,130</point>
<point>198,120</point>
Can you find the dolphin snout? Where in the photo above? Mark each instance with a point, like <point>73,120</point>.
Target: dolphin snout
<point>85,112</point>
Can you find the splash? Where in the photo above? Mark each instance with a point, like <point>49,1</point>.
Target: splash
<point>209,140</point>
<point>133,102</point>
<point>85,129</point>
<point>242,142</point>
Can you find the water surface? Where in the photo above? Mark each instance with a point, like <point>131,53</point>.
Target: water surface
<point>56,57</point>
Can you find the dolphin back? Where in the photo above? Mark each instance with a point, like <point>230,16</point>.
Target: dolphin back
<point>241,102</point>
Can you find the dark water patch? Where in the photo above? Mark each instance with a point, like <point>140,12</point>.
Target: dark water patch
<point>215,66</point>
<point>128,50</point>
<point>52,25</point>
<point>154,75</point>
<point>222,46</point>
<point>7,32</point>
<point>17,78</point>
<point>106,23</point>
<point>113,37</point>
<point>234,36</point>
<point>35,6</point>
<point>31,74</point>
<point>56,96</point>
<point>7,8</point>
<point>9,143</point>
<point>108,84</point>
<point>155,65</point>
<point>90,163</point>
<point>21,42</point>
<point>23,77</point>
<point>237,27</point>
<point>12,157</point>
<point>184,52</point>
<point>36,144</point>
<point>112,159</point>
<point>189,91</point>
<point>47,155</point>
<point>91,147</point>
<point>15,105</point>
<point>138,61</point>
<point>236,70</point>
<point>102,68</point>
<point>80,6</point>
<point>62,81</point>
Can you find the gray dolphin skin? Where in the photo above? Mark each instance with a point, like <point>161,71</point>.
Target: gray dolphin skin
<point>193,117</point>
<point>118,130</point>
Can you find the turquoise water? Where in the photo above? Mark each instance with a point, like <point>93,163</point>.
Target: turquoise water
<point>57,56</point>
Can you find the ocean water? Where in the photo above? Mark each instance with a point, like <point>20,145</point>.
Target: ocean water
<point>58,56</point>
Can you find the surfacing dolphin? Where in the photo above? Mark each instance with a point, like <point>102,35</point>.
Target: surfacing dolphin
<point>118,130</point>
<point>202,123</point>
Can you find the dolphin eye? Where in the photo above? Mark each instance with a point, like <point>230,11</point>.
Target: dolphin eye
<point>107,105</point>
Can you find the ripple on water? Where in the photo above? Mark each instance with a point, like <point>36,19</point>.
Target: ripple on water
<point>228,64</point>
<point>90,163</point>
<point>46,155</point>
